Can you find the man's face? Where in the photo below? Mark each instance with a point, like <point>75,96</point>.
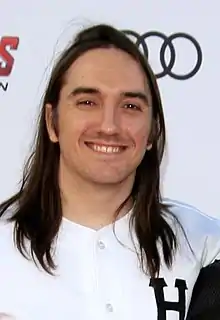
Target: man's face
<point>104,117</point>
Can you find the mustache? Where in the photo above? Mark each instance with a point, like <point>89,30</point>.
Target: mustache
<point>110,139</point>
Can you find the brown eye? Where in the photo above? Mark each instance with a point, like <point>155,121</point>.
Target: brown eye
<point>132,106</point>
<point>88,103</point>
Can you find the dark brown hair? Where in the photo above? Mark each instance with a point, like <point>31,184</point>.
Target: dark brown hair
<point>36,208</point>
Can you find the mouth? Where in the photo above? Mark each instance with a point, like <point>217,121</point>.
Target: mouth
<point>105,149</point>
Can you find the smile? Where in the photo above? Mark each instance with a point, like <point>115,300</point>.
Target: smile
<point>105,149</point>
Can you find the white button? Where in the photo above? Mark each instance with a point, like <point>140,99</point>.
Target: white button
<point>109,307</point>
<point>101,245</point>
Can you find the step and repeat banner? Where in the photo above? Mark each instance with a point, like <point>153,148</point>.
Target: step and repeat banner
<point>181,41</point>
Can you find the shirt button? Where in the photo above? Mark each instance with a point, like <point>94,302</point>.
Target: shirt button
<point>109,307</point>
<point>101,245</point>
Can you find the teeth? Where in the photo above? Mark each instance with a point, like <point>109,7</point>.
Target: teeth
<point>105,149</point>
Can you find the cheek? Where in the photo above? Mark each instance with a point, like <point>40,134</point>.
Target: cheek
<point>71,128</point>
<point>139,130</point>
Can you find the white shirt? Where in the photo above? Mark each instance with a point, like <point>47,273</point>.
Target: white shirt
<point>98,275</point>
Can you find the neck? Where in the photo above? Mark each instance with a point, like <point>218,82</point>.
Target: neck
<point>90,204</point>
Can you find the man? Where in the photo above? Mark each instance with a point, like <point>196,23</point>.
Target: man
<point>92,237</point>
<point>205,301</point>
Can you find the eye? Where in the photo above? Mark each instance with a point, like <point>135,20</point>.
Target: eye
<point>132,106</point>
<point>88,103</point>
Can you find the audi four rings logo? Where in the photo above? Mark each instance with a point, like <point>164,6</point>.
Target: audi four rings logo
<point>167,67</point>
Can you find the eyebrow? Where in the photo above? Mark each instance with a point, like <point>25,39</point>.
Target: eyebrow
<point>127,94</point>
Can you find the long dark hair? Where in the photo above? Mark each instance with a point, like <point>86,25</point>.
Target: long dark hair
<point>36,208</point>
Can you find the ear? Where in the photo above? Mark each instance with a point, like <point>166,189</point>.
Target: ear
<point>149,146</point>
<point>151,136</point>
<point>49,118</point>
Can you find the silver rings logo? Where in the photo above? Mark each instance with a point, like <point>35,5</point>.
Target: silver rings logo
<point>167,64</point>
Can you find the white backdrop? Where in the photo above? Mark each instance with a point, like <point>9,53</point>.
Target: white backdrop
<point>191,106</point>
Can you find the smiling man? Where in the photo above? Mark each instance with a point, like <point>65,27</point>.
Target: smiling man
<point>103,123</point>
<point>88,236</point>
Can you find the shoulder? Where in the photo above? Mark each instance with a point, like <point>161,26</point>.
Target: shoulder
<point>7,244</point>
<point>193,219</point>
<point>6,231</point>
<point>201,230</point>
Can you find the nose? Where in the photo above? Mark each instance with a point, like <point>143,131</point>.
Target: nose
<point>110,120</point>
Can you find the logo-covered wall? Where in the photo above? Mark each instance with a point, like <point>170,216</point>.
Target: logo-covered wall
<point>182,50</point>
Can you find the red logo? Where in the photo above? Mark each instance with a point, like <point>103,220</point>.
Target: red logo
<point>8,44</point>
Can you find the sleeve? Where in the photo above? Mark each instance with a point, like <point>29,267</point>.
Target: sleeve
<point>211,246</point>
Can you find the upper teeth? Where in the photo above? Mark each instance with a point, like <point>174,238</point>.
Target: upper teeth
<point>107,149</point>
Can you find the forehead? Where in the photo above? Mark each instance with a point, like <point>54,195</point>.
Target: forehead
<point>108,68</point>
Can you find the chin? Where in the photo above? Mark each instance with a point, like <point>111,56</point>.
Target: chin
<point>109,178</point>
<point>106,180</point>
